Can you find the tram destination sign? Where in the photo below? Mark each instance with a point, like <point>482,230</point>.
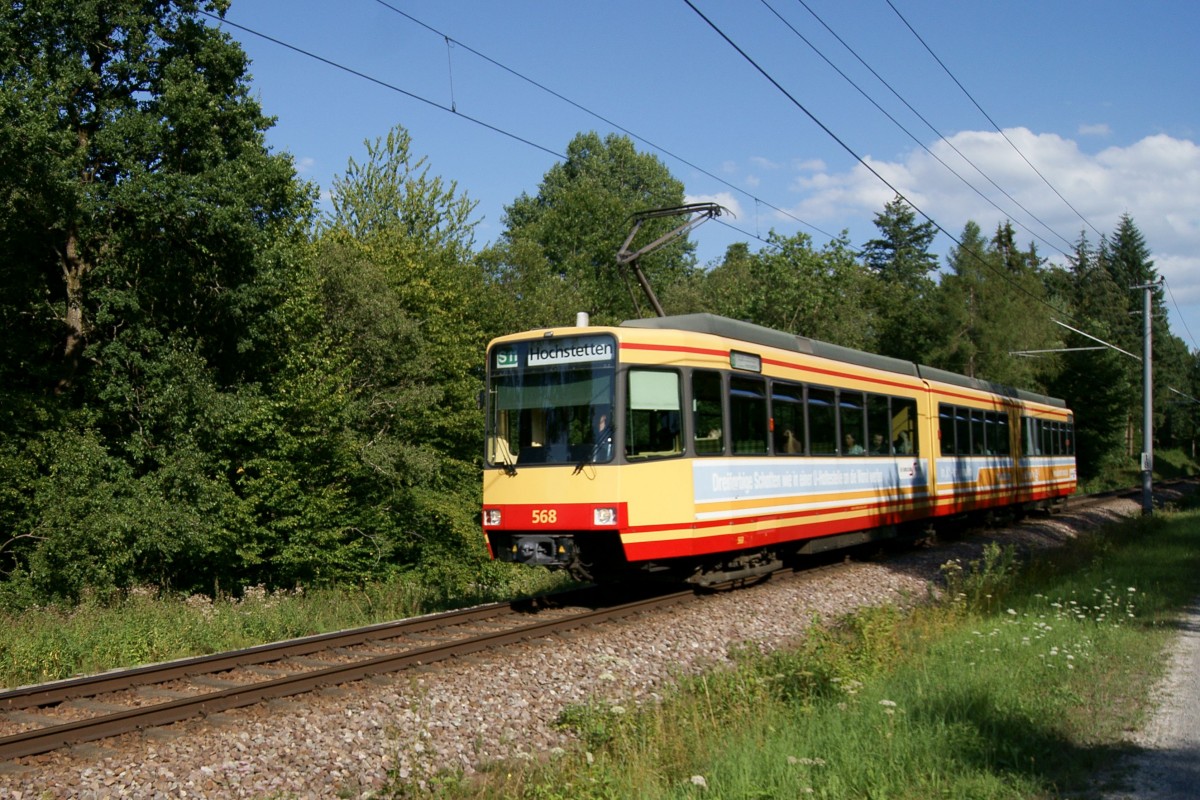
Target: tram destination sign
<point>574,350</point>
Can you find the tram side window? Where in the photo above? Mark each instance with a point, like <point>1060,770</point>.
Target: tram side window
<point>1046,431</point>
<point>822,422</point>
<point>946,429</point>
<point>748,415</point>
<point>998,433</point>
<point>787,416</point>
<point>1069,445</point>
<point>879,435</point>
<point>652,427</point>
<point>1030,444</point>
<point>708,422</point>
<point>962,431</point>
<point>852,418</point>
<point>1057,427</point>
<point>979,443</point>
<point>904,425</point>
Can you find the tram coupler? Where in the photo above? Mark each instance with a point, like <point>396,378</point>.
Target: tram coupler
<point>541,550</point>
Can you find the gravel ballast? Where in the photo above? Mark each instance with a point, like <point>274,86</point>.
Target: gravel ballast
<point>352,740</point>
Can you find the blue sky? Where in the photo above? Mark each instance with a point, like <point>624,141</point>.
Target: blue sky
<point>1098,96</point>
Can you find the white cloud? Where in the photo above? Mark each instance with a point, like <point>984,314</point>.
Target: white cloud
<point>1099,129</point>
<point>764,163</point>
<point>1155,180</point>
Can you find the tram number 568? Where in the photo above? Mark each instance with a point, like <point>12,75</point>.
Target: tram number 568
<point>545,516</point>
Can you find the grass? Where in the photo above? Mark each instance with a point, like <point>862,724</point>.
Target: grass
<point>1020,683</point>
<point>140,626</point>
<point>1169,464</point>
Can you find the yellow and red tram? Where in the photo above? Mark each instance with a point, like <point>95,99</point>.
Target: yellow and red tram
<point>708,447</point>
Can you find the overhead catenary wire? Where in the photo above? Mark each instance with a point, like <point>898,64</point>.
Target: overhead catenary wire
<point>450,41</point>
<point>1179,312</point>
<point>941,137</point>
<point>596,115</point>
<point>392,87</point>
<point>1016,149</point>
<point>999,130</point>
<point>841,143</point>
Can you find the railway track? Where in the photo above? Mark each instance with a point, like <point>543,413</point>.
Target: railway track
<point>52,716</point>
<point>46,717</point>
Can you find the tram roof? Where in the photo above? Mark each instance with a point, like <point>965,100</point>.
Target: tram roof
<point>768,337</point>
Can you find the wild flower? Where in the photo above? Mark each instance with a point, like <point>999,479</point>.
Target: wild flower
<point>202,603</point>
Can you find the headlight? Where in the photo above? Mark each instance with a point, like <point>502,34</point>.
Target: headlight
<point>491,517</point>
<point>604,516</point>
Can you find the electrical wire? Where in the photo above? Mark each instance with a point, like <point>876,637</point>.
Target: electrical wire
<point>989,118</point>
<point>841,143</point>
<point>448,109</point>
<point>612,124</point>
<point>450,41</point>
<point>942,138</point>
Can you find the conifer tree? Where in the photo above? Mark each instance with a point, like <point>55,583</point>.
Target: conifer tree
<point>900,261</point>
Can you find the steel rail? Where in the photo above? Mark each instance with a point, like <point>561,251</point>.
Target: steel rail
<point>47,694</point>
<point>54,737</point>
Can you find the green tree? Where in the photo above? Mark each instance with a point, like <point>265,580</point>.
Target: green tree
<point>138,189</point>
<point>391,191</point>
<point>406,304</point>
<point>791,286</point>
<point>525,290</point>
<point>900,261</point>
<point>1097,384</point>
<point>992,304</point>
<point>1094,384</point>
<point>960,302</point>
<point>1127,258</point>
<point>151,246</point>
<point>1093,292</point>
<point>582,214</point>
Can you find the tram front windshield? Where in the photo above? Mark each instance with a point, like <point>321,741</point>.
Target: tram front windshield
<point>551,401</point>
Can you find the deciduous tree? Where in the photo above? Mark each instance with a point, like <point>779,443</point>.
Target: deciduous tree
<point>582,214</point>
<point>150,245</point>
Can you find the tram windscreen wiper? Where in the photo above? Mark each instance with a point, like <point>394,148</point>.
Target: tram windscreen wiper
<point>606,437</point>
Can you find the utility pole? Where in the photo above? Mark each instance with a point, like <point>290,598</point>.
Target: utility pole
<point>1147,398</point>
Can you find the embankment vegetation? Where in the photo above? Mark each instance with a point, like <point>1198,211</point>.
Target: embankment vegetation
<point>209,382</point>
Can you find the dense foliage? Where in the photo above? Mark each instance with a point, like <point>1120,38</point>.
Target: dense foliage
<point>206,385</point>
